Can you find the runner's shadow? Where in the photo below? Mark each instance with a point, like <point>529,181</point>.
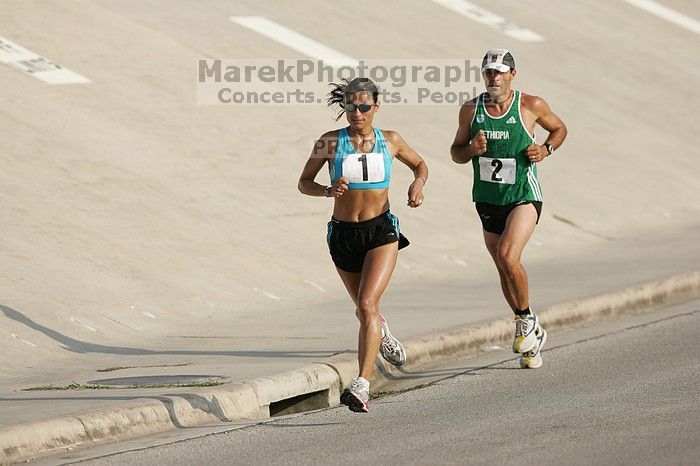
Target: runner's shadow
<point>78,346</point>
<point>406,374</point>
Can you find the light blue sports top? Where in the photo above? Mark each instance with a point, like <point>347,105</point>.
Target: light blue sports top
<point>364,170</point>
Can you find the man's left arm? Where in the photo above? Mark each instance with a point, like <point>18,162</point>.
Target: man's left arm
<point>547,119</point>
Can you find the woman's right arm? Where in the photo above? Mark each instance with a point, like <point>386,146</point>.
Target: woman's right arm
<point>322,152</point>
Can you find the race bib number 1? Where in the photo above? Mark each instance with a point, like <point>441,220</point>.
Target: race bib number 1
<point>364,168</point>
<point>497,170</point>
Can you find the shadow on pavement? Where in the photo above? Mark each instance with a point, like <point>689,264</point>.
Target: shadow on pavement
<point>78,346</point>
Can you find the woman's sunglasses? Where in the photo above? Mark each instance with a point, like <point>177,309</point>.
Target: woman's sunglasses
<point>364,108</point>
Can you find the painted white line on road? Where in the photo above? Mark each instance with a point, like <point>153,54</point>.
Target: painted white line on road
<point>318,287</point>
<point>267,294</point>
<point>18,57</point>
<point>20,339</point>
<point>144,312</point>
<point>456,260</point>
<point>80,324</point>
<point>294,40</point>
<point>480,15</point>
<point>668,14</point>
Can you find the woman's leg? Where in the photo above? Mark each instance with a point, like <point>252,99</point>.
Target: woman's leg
<point>376,273</point>
<point>351,280</point>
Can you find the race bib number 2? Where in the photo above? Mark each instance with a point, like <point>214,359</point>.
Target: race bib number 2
<point>497,170</point>
<point>364,168</point>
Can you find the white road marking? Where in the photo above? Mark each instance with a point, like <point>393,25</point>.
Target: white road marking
<point>18,57</point>
<point>456,260</point>
<point>480,15</point>
<point>267,294</point>
<point>668,14</point>
<point>78,323</point>
<point>318,287</point>
<point>294,40</point>
<point>18,338</point>
<point>146,313</point>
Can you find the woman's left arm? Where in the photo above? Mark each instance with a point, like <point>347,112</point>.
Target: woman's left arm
<point>402,151</point>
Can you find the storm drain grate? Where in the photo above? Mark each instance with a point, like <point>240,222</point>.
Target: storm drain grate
<point>300,403</point>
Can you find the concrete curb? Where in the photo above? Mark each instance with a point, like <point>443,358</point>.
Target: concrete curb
<point>128,419</point>
<point>471,339</point>
<point>314,386</point>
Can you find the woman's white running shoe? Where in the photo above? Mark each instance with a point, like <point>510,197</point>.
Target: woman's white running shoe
<point>356,396</point>
<point>392,350</point>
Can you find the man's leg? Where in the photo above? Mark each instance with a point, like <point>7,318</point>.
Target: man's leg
<point>506,250</point>
<point>519,228</point>
<point>491,240</point>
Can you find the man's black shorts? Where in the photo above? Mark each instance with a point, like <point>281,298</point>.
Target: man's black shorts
<point>349,242</point>
<point>493,217</point>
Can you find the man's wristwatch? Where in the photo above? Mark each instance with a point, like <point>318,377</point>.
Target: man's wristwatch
<point>549,148</point>
<point>329,191</point>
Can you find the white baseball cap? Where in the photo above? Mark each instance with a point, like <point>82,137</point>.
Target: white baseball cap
<point>498,59</point>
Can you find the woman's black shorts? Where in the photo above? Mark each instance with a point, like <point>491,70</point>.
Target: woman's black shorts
<point>349,242</point>
<point>493,217</point>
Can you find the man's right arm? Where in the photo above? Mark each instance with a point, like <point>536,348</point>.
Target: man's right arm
<point>462,149</point>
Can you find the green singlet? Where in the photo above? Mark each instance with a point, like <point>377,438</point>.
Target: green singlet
<point>503,174</point>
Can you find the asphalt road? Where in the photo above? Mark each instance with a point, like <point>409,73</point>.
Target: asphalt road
<point>616,396</point>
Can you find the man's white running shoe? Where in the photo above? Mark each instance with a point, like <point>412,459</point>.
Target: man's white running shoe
<point>525,338</point>
<point>356,395</point>
<point>533,359</point>
<point>392,350</point>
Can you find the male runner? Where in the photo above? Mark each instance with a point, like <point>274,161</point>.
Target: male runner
<point>496,132</point>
